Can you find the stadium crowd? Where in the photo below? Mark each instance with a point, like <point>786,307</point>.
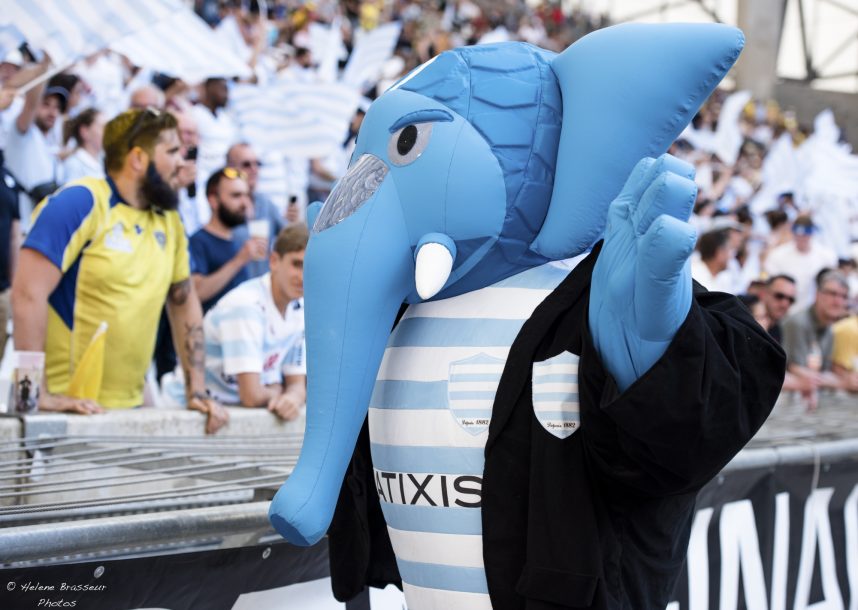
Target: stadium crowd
<point>112,145</point>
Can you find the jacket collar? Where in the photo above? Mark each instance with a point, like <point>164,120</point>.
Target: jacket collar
<point>522,353</point>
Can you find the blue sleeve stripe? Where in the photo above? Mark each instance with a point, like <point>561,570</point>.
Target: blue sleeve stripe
<point>446,578</point>
<point>57,221</point>
<point>433,519</point>
<point>398,394</point>
<point>62,299</point>
<point>440,460</point>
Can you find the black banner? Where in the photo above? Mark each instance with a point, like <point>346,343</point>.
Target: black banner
<point>206,580</point>
<point>781,538</point>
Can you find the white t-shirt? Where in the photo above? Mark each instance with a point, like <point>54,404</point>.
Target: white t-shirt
<point>217,133</point>
<point>7,120</point>
<point>29,156</point>
<point>31,159</point>
<point>81,164</point>
<point>195,212</point>
<point>701,273</point>
<point>803,267</point>
<point>245,333</point>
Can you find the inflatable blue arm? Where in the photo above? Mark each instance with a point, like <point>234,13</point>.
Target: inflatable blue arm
<point>641,286</point>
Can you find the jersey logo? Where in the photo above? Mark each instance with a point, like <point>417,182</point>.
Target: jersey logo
<point>161,239</point>
<point>429,489</point>
<point>555,394</point>
<point>115,239</point>
<point>271,362</point>
<point>471,390</point>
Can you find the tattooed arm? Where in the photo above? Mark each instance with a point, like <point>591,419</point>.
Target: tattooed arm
<point>186,320</point>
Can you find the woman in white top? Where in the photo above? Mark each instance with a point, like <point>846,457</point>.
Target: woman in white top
<point>87,129</point>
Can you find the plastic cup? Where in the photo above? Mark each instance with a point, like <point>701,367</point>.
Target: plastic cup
<point>259,228</point>
<point>27,380</point>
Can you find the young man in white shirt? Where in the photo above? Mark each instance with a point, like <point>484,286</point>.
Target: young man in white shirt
<point>802,258</point>
<point>255,335</point>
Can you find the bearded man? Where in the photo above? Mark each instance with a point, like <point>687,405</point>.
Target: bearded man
<point>112,250</point>
<point>220,255</point>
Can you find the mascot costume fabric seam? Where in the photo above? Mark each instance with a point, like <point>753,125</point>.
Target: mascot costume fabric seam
<point>534,430</point>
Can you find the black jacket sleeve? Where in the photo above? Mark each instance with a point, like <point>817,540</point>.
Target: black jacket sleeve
<point>679,424</point>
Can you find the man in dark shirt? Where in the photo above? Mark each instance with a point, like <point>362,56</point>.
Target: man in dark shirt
<point>219,257</point>
<point>10,242</point>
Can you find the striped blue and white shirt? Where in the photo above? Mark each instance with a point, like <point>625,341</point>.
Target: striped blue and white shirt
<point>429,417</point>
<point>245,333</point>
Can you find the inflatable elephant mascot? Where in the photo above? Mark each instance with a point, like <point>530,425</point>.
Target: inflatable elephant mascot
<point>536,431</point>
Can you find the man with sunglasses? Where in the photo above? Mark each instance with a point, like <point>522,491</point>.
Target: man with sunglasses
<point>778,297</point>
<point>110,250</point>
<point>220,253</point>
<point>807,336</point>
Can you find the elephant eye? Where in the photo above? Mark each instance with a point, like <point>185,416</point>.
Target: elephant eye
<point>408,143</point>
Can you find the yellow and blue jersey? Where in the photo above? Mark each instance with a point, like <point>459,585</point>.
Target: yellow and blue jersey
<point>118,263</point>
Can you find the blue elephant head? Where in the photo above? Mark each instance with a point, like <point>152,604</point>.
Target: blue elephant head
<point>481,163</point>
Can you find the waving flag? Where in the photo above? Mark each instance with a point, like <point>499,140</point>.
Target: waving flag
<point>297,120</point>
<point>163,35</point>
<point>69,31</point>
<point>371,51</point>
<point>183,46</point>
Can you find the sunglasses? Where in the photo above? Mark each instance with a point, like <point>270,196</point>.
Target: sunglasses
<point>140,122</point>
<point>249,164</point>
<point>231,173</point>
<point>780,296</point>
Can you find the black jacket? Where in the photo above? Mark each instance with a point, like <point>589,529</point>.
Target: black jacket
<point>600,519</point>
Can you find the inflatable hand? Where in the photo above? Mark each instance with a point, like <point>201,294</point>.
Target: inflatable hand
<point>641,290</point>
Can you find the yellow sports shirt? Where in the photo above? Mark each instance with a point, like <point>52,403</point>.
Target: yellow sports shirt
<point>118,263</point>
<point>845,350</point>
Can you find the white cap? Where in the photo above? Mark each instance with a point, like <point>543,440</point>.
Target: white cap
<point>13,57</point>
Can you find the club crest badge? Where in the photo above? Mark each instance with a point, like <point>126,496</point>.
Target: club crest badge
<point>471,389</point>
<point>555,394</point>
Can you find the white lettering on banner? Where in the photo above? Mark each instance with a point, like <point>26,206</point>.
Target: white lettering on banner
<point>698,561</point>
<point>740,553</point>
<point>817,533</point>
<point>850,515</point>
<point>780,560</point>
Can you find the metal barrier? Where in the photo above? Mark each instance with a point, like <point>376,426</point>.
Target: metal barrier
<point>123,494</point>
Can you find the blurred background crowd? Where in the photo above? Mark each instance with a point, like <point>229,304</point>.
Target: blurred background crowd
<point>275,93</point>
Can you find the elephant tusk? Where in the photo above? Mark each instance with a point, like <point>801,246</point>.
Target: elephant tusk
<point>434,262</point>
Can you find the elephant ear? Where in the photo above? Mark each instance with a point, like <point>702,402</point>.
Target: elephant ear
<point>628,91</point>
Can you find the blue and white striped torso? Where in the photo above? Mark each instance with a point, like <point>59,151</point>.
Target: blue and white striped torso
<point>428,422</point>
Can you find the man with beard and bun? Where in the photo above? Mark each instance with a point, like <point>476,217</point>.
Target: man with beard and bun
<point>111,250</point>
<point>221,255</point>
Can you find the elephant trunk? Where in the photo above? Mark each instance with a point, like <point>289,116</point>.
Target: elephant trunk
<point>358,272</point>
